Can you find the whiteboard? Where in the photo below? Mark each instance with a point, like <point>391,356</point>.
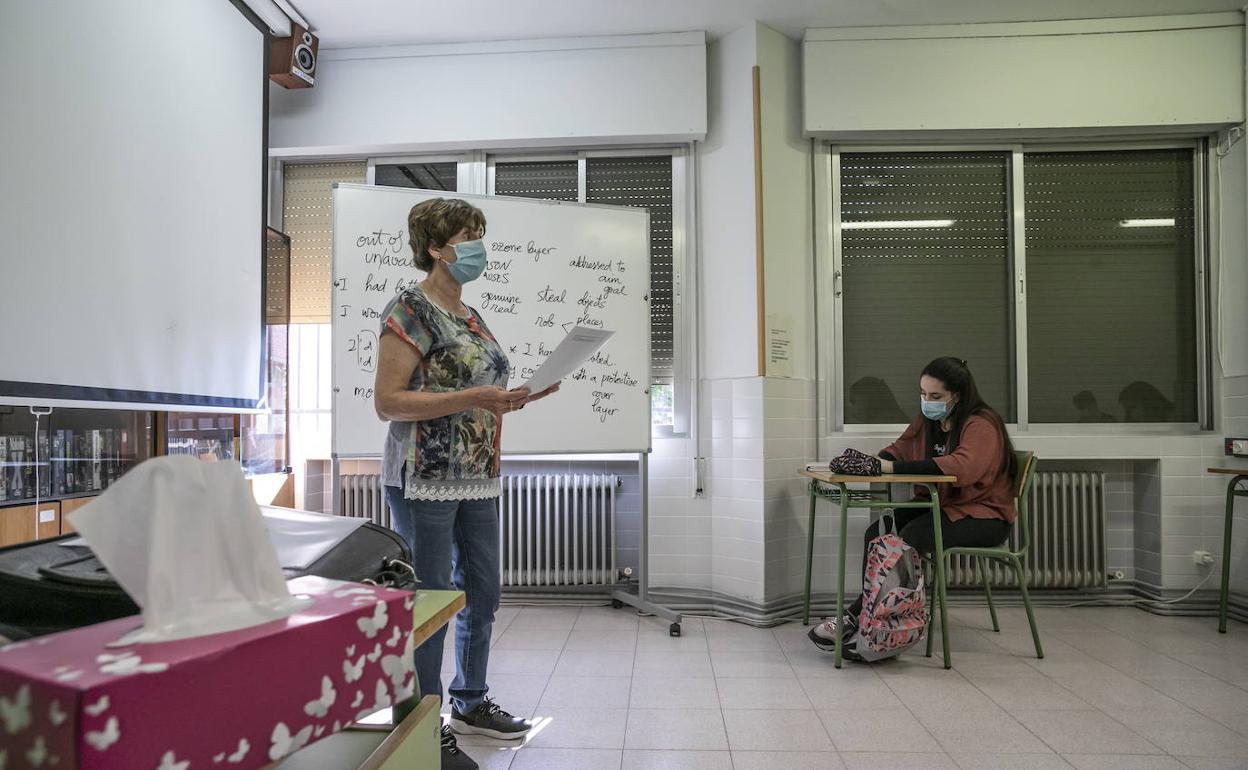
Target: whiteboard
<point>551,266</point>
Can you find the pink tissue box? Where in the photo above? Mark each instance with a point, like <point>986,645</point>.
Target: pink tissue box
<point>234,700</point>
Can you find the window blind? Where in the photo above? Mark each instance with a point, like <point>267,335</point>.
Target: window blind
<point>307,220</point>
<point>552,180</point>
<point>1111,287</point>
<point>645,182</point>
<point>926,273</point>
<point>277,277</point>
<point>424,176</point>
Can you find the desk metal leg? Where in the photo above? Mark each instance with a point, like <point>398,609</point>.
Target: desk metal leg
<point>840,576</point>
<point>940,575</point>
<point>1226,552</point>
<point>810,555</point>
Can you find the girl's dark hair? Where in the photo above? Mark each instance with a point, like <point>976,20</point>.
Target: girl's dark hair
<point>957,379</point>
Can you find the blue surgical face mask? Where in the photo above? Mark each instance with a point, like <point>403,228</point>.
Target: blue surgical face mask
<point>469,261</point>
<point>935,410</point>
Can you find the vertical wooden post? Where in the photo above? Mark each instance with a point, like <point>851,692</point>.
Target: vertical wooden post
<point>758,223</point>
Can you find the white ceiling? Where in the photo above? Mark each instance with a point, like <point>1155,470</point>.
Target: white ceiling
<point>385,22</point>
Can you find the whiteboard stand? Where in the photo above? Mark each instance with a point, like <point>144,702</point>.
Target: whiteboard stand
<point>640,600</point>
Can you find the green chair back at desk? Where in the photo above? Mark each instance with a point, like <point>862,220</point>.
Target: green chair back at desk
<point>1003,553</point>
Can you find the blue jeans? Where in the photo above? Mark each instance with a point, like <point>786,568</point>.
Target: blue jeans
<point>454,545</point>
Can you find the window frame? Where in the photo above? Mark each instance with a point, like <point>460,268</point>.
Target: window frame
<point>829,254</point>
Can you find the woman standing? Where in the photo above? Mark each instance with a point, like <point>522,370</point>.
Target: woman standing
<point>440,381</point>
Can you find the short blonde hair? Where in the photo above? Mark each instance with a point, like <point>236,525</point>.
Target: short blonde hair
<point>433,222</point>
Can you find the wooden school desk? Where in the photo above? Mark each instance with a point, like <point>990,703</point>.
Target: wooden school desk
<point>832,487</point>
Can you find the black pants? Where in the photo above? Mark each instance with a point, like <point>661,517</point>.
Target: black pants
<point>915,527</point>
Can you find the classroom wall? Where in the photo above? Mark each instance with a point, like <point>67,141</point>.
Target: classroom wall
<point>787,206</point>
<point>584,91</point>
<point>726,225</point>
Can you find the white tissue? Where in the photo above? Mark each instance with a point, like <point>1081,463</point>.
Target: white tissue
<point>186,540</point>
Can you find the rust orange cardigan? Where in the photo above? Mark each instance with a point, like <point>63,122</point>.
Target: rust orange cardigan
<point>984,489</point>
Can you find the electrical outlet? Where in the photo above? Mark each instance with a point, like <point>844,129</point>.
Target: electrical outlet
<point>1237,447</point>
<point>1202,557</point>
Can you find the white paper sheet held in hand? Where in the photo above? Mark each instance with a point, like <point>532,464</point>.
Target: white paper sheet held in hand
<point>575,350</point>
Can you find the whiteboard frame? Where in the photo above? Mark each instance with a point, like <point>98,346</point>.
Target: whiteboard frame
<point>335,455</point>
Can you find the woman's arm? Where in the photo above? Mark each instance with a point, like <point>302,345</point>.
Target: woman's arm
<point>393,401</point>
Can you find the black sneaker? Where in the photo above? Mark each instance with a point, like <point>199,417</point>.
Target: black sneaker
<point>824,634</point>
<point>453,758</point>
<point>489,720</point>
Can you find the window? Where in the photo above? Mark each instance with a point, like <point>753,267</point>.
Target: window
<point>644,181</point>
<point>1090,314</point>
<point>925,272</point>
<point>1111,286</point>
<point>614,177</point>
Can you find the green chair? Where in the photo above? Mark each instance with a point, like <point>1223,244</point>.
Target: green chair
<point>1002,553</point>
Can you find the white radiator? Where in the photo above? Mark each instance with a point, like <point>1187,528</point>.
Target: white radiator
<point>556,530</point>
<point>1067,550</point>
<point>363,497</point>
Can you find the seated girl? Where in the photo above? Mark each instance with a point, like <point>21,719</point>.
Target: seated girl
<point>955,434</point>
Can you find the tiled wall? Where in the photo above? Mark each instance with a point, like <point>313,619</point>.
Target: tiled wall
<point>680,523</point>
<point>736,488</point>
<point>1146,521</point>
<point>789,442</point>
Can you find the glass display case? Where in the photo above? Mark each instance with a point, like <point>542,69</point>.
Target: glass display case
<point>71,453</point>
<point>56,462</point>
<point>203,435</point>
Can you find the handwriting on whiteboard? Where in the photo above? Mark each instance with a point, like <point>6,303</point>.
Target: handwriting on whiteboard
<point>582,293</point>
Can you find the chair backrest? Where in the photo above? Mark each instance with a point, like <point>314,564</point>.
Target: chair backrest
<point>1022,489</point>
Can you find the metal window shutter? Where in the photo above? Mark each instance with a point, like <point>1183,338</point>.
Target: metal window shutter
<point>425,176</point>
<point>306,219</point>
<point>912,294</point>
<point>645,182</point>
<point>551,180</point>
<point>277,277</point>
<point>1111,305</point>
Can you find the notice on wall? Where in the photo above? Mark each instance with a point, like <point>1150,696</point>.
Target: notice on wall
<point>779,345</point>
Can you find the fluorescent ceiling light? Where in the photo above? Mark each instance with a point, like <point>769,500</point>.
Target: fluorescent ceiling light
<point>1146,223</point>
<point>900,224</point>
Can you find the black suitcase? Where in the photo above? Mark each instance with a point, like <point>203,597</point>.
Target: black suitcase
<point>47,587</point>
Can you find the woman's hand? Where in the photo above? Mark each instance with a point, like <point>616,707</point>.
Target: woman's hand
<point>499,400</point>
<point>544,393</point>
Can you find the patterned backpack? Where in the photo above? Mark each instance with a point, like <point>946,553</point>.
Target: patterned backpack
<point>894,609</point>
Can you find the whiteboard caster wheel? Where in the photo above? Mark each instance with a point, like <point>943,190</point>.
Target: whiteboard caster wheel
<point>674,629</point>
<point>616,604</point>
